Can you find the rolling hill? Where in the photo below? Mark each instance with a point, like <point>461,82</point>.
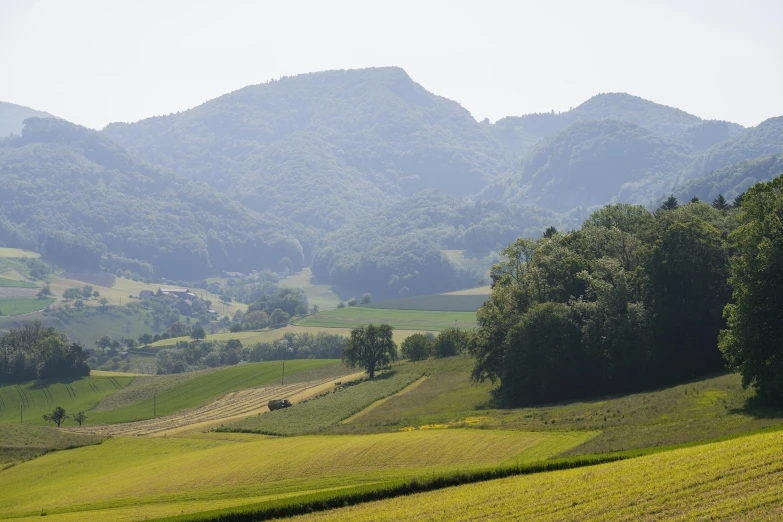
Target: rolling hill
<point>12,117</point>
<point>733,180</point>
<point>322,148</point>
<point>74,195</point>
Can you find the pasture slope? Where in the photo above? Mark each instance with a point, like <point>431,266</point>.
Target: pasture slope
<point>739,479</point>
<point>138,478</point>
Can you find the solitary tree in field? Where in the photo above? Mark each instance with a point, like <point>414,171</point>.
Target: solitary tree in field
<point>45,292</point>
<point>58,416</point>
<point>103,343</point>
<point>80,417</point>
<point>104,303</point>
<point>370,347</point>
<point>366,299</point>
<point>79,304</point>
<point>198,333</point>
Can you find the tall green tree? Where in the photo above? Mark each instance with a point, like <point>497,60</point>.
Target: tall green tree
<point>753,339</point>
<point>370,347</point>
<point>58,416</point>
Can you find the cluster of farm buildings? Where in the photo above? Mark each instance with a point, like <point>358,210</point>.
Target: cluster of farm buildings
<point>184,299</point>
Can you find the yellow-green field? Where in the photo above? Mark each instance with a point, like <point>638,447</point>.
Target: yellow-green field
<point>123,288</point>
<point>266,336</point>
<point>353,316</point>
<point>738,479</point>
<point>481,290</point>
<point>17,252</point>
<point>321,295</point>
<point>132,478</point>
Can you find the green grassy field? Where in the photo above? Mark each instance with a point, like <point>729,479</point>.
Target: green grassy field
<point>321,295</point>
<point>320,413</point>
<point>134,478</point>
<point>207,386</point>
<point>434,302</point>
<point>19,442</point>
<point>15,283</point>
<point>17,253</point>
<point>36,398</point>
<point>353,316</point>
<point>22,305</point>
<point>737,479</point>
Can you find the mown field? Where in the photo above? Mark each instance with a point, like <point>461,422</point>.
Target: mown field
<point>266,336</point>
<point>199,390</point>
<point>434,302</point>
<point>737,479</point>
<point>321,413</point>
<point>353,316</point>
<point>23,305</point>
<point>136,478</point>
<point>321,295</point>
<point>17,253</point>
<point>35,398</point>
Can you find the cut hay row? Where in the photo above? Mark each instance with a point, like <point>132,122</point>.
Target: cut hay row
<point>232,405</point>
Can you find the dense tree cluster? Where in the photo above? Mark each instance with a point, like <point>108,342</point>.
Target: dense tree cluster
<point>630,300</point>
<point>37,352</point>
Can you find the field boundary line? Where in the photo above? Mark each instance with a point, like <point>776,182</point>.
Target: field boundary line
<point>415,384</point>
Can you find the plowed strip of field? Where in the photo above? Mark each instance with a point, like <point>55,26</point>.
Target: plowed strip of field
<point>234,406</point>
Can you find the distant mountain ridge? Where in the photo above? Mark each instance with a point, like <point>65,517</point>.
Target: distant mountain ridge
<point>12,117</point>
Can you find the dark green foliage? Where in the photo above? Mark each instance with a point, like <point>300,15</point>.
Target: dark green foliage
<point>752,341</point>
<point>450,342</point>
<point>669,203</point>
<point>720,203</point>
<point>366,299</point>
<point>80,417</point>
<point>416,347</point>
<point>370,347</point>
<point>291,301</point>
<point>37,352</point>
<point>83,196</point>
<point>198,333</point>
<point>58,416</point>
<point>631,300</point>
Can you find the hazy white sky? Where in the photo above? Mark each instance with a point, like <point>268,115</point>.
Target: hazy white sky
<point>94,62</point>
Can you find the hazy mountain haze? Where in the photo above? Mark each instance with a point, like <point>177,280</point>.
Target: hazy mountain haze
<point>125,62</point>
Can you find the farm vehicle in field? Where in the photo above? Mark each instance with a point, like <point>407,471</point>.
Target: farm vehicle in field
<point>279,404</point>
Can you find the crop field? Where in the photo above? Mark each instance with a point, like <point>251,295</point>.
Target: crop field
<point>201,390</point>
<point>16,283</point>
<point>736,479</point>
<point>323,412</point>
<point>434,302</point>
<point>104,279</point>
<point>266,336</point>
<point>17,253</point>
<point>481,262</point>
<point>125,478</point>
<point>36,398</point>
<point>19,442</point>
<point>321,295</point>
<point>353,316</point>
<point>23,305</point>
<point>231,407</point>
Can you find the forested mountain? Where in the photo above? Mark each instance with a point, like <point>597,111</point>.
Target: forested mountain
<point>12,117</point>
<point>732,181</point>
<point>74,195</point>
<point>322,148</point>
<point>591,163</point>
<point>660,119</point>
<point>766,138</point>
<point>397,250</point>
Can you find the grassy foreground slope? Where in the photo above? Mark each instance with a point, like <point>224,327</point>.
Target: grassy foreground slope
<point>36,398</point>
<point>208,386</point>
<point>737,479</point>
<point>133,478</point>
<point>353,316</point>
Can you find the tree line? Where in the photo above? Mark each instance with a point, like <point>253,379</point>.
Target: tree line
<point>37,352</point>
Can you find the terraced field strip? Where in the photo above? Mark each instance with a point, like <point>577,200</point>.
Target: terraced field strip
<point>415,384</point>
<point>233,406</point>
<point>353,316</point>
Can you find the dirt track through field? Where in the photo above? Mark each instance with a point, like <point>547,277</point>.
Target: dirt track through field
<point>232,407</point>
